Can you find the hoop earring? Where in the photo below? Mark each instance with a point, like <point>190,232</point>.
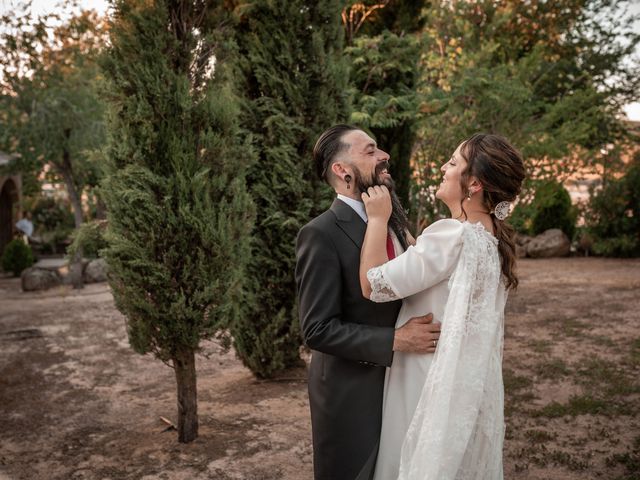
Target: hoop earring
<point>347,178</point>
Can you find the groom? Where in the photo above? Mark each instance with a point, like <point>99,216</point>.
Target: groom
<point>352,339</point>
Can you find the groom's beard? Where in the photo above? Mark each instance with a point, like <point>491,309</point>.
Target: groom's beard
<point>398,222</point>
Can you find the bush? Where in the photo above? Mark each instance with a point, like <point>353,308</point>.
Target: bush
<point>552,208</point>
<point>613,215</point>
<point>16,257</point>
<point>53,223</point>
<point>521,218</point>
<point>89,237</point>
<point>51,214</point>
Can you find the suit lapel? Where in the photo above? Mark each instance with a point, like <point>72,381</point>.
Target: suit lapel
<point>349,222</point>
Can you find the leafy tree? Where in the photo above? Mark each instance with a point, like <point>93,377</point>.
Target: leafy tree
<point>613,214</point>
<point>51,113</point>
<point>383,47</point>
<point>294,87</point>
<point>537,72</point>
<point>179,215</point>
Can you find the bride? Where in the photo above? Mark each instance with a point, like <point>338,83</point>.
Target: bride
<point>443,413</point>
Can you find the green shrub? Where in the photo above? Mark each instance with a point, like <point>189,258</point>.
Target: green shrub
<point>53,223</point>
<point>613,215</point>
<point>16,257</point>
<point>521,218</point>
<point>552,208</point>
<point>90,237</point>
<point>51,214</point>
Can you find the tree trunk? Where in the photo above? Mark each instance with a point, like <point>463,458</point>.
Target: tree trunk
<point>66,169</point>
<point>185,366</point>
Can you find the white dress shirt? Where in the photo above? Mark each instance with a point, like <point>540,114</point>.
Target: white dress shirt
<point>357,205</point>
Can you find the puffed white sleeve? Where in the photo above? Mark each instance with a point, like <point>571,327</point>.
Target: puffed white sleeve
<point>431,260</point>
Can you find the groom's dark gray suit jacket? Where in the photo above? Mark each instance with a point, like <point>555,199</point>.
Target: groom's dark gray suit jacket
<point>351,340</point>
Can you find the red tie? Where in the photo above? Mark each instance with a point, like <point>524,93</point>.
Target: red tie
<point>391,252</point>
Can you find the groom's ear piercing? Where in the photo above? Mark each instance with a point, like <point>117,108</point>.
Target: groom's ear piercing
<point>347,178</point>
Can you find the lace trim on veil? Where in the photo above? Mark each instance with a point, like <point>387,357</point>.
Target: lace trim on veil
<point>457,430</point>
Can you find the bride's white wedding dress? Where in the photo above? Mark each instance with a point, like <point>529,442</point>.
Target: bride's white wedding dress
<point>443,413</point>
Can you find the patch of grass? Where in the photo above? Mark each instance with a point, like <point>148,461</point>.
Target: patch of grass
<point>572,327</point>
<point>605,377</point>
<point>602,341</point>
<point>540,346</point>
<point>514,383</point>
<point>542,456</point>
<point>634,355</point>
<point>630,460</point>
<point>518,389</point>
<point>582,405</point>
<point>615,307</point>
<point>566,326</point>
<point>552,368</point>
<point>631,287</point>
<point>572,462</point>
<point>539,436</point>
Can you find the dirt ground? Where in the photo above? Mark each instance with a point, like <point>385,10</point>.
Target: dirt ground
<point>77,403</point>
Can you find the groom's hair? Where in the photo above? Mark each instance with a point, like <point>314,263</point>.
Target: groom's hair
<point>328,147</point>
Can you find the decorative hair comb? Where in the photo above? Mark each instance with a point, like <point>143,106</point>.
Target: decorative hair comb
<point>501,210</point>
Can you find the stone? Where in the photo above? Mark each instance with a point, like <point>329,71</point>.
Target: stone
<point>550,243</point>
<point>522,239</point>
<point>521,251</point>
<point>35,278</point>
<point>96,271</point>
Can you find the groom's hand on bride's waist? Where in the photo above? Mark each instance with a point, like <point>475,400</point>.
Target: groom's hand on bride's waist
<point>418,335</point>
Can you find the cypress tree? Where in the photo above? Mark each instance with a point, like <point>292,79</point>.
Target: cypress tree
<point>294,88</point>
<point>179,215</point>
<point>384,50</point>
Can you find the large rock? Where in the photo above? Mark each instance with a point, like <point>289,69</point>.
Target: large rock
<point>522,239</point>
<point>96,271</point>
<point>521,242</point>
<point>521,251</point>
<point>551,243</point>
<point>38,279</point>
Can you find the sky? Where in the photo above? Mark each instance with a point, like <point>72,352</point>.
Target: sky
<point>41,6</point>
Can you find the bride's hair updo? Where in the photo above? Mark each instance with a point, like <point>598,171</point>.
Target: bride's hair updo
<point>499,167</point>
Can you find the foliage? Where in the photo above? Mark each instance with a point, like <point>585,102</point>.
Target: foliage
<point>521,218</point>
<point>383,49</point>
<point>552,208</point>
<point>16,257</point>
<point>50,106</point>
<point>52,222</point>
<point>294,87</point>
<point>613,215</point>
<point>179,215</point>
<point>50,213</point>
<point>536,72</point>
<point>52,114</point>
<point>89,238</point>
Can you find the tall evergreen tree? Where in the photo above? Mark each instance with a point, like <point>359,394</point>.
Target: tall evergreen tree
<point>179,215</point>
<point>294,87</point>
<point>384,50</point>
